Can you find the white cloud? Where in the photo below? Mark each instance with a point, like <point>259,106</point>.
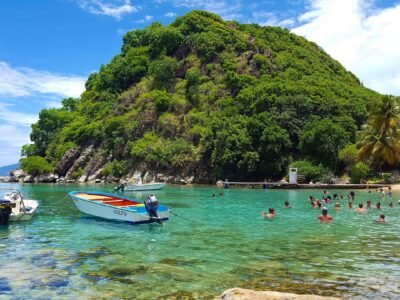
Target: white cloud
<point>18,82</point>
<point>228,10</point>
<point>266,18</point>
<point>11,139</point>
<point>170,15</point>
<point>115,8</point>
<point>148,18</point>
<point>363,38</point>
<point>13,117</point>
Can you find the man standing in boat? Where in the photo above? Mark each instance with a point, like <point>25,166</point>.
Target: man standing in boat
<point>151,205</point>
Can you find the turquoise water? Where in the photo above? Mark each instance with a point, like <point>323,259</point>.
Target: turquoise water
<point>62,254</point>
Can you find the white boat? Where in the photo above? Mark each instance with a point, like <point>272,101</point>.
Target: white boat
<point>114,207</point>
<point>21,209</point>
<point>144,186</point>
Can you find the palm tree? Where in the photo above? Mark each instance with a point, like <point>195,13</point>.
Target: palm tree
<point>380,139</point>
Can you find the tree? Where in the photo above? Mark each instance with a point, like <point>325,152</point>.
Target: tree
<point>321,140</point>
<point>163,72</point>
<point>379,140</point>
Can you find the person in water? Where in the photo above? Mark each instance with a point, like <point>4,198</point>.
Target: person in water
<point>368,204</point>
<point>391,204</point>
<point>350,204</point>
<point>378,205</point>
<point>381,219</point>
<point>390,194</point>
<point>324,217</point>
<point>341,197</point>
<point>151,205</point>
<point>360,208</point>
<point>270,215</point>
<point>287,205</point>
<point>337,206</point>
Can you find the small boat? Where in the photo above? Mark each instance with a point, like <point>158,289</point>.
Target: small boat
<point>144,186</point>
<point>21,209</point>
<point>114,207</point>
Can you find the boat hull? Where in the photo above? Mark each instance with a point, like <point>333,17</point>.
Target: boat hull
<point>145,186</point>
<point>136,214</point>
<point>33,204</point>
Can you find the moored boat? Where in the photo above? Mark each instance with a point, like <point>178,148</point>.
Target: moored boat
<point>114,207</point>
<point>145,186</point>
<point>21,209</point>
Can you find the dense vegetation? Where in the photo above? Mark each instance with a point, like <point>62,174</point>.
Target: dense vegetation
<point>212,98</point>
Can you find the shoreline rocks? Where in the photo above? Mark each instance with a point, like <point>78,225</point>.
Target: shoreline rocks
<point>245,294</point>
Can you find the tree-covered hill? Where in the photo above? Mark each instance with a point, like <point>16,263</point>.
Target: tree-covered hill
<point>208,98</point>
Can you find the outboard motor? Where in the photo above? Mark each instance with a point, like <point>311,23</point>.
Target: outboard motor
<point>151,205</point>
<point>5,211</point>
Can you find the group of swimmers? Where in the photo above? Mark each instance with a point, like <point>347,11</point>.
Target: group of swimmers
<point>326,199</point>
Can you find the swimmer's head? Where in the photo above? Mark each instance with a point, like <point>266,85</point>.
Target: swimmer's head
<point>324,211</point>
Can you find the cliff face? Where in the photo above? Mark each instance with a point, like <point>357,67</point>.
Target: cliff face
<point>203,98</point>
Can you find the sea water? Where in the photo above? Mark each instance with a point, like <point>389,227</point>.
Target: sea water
<point>214,243</point>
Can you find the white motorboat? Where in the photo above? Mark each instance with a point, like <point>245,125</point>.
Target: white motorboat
<point>113,207</point>
<point>140,186</point>
<point>21,209</point>
<point>145,186</point>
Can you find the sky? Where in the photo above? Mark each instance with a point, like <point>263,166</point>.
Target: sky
<point>49,47</point>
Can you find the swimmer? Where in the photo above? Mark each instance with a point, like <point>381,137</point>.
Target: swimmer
<point>270,215</point>
<point>341,197</point>
<point>319,205</point>
<point>381,219</point>
<point>337,206</point>
<point>383,194</point>
<point>221,194</point>
<point>287,205</point>
<point>313,204</point>
<point>378,205</point>
<point>324,217</point>
<point>335,196</point>
<point>391,204</point>
<point>350,204</point>
<point>368,204</point>
<point>360,208</point>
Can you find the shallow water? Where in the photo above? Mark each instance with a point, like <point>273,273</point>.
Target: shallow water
<point>223,242</point>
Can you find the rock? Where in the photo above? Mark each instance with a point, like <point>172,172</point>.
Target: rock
<point>95,175</point>
<point>220,183</point>
<point>189,179</point>
<point>148,177</point>
<point>61,180</point>
<point>18,173</point>
<point>245,294</point>
<point>67,161</point>
<point>27,179</point>
<point>98,180</point>
<point>81,161</point>
<point>170,179</point>
<point>69,181</point>
<point>5,179</point>
<point>46,178</point>
<point>82,179</point>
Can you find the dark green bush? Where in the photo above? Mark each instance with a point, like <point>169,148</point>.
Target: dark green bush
<point>312,171</point>
<point>35,165</point>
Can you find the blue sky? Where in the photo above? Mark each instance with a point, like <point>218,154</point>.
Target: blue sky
<point>49,47</point>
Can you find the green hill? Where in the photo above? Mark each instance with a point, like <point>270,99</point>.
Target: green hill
<point>209,98</point>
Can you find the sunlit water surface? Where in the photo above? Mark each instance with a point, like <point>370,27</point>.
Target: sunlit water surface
<point>223,242</point>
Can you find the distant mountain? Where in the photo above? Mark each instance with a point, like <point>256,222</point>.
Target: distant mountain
<point>5,171</point>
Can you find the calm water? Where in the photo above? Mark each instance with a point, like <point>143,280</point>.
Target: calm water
<point>62,254</point>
